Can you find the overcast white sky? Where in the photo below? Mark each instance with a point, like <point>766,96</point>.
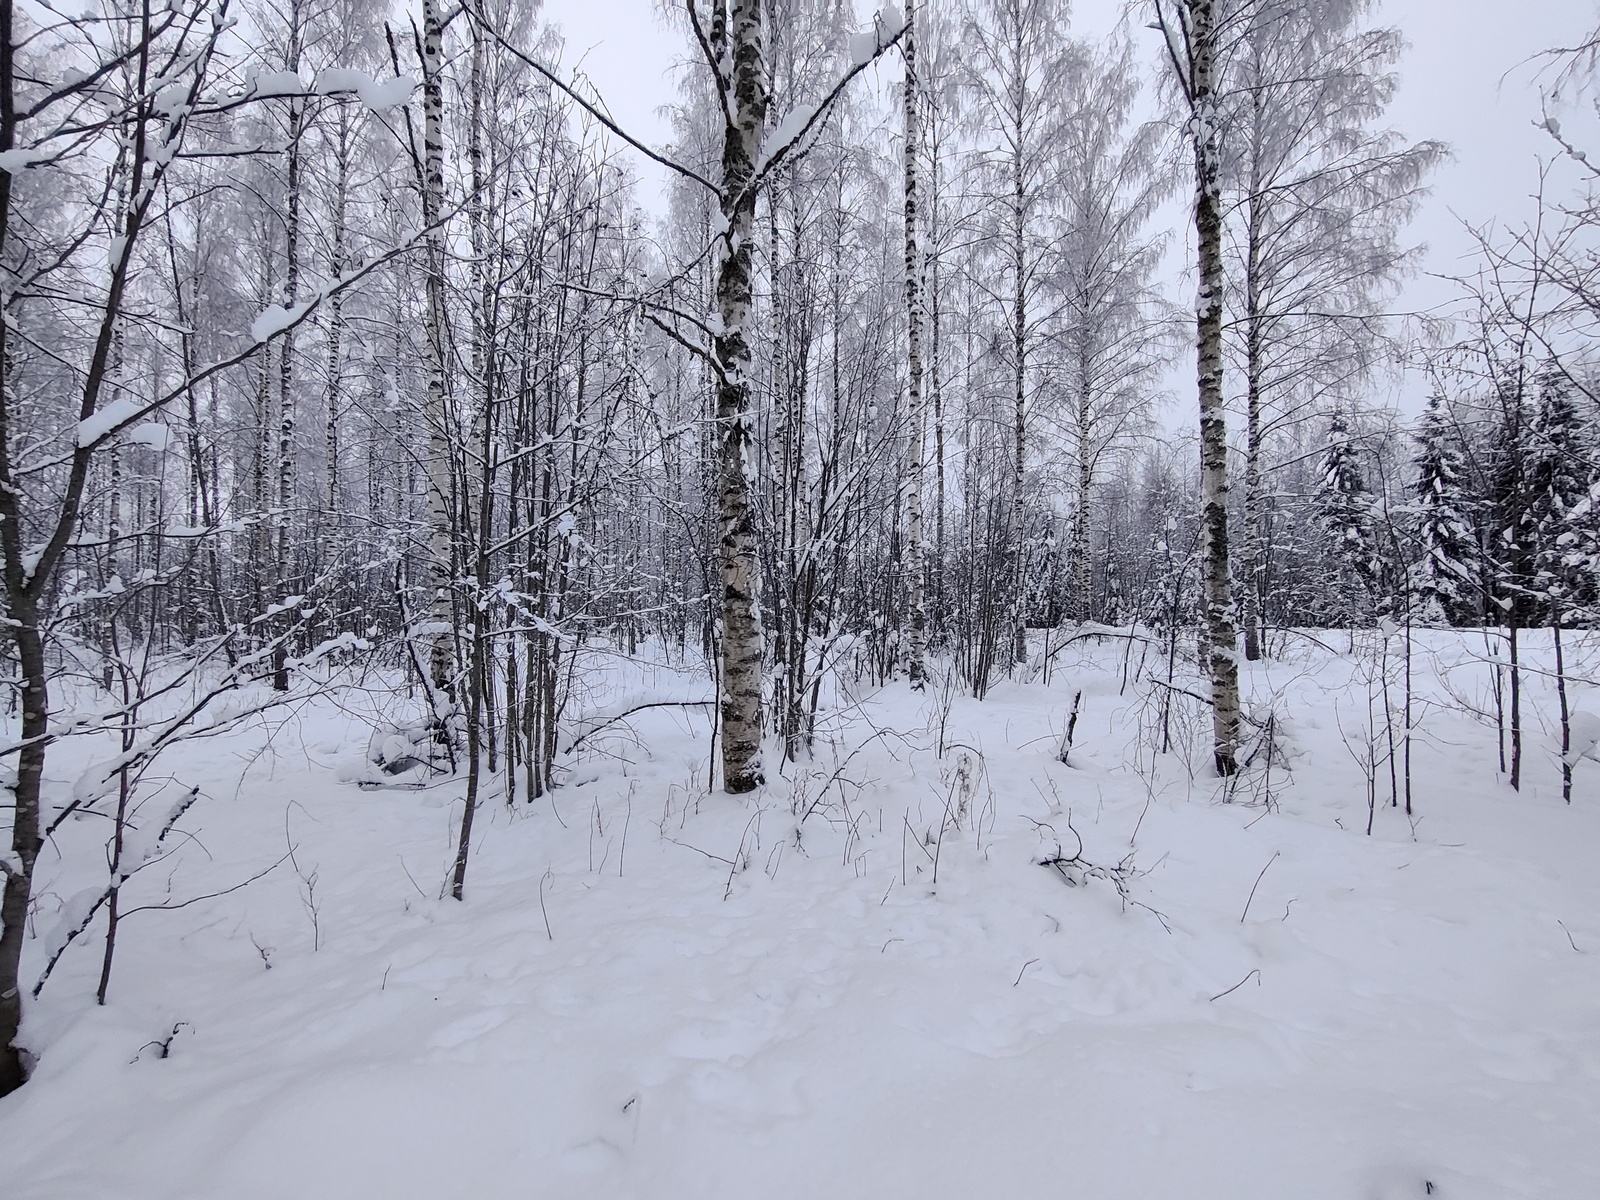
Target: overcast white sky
<point>1466,80</point>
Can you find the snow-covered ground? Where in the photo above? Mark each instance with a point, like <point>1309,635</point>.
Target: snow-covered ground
<point>861,982</point>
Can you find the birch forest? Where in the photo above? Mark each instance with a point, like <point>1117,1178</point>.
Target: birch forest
<point>456,544</point>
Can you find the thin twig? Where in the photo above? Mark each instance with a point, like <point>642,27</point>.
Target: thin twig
<point>1255,885</point>
<point>1256,971</point>
<point>543,879</point>
<point>209,895</point>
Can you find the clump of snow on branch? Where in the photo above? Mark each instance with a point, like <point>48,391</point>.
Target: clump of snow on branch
<point>102,422</point>
<point>376,94</point>
<point>888,24</point>
<point>275,318</point>
<point>14,161</point>
<point>786,132</point>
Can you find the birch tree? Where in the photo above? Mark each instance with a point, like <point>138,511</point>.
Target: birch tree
<point>1112,333</point>
<point>440,626</point>
<point>1320,192</point>
<point>1021,73</point>
<point>1191,34</point>
<point>78,270</point>
<point>916,434</point>
<point>733,45</point>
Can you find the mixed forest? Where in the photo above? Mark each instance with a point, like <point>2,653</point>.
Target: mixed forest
<point>342,353</point>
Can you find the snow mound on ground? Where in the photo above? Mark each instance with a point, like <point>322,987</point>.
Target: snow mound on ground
<point>1584,729</point>
<point>398,754</point>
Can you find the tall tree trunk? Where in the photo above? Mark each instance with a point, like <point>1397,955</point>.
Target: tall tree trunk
<point>335,392</point>
<point>441,654</point>
<point>741,624</point>
<point>1255,550</point>
<point>1565,709</point>
<point>936,390</point>
<point>1255,566</point>
<point>1516,700</point>
<point>1081,565</point>
<point>261,491</point>
<point>479,501</point>
<point>1019,447</point>
<point>1220,633</point>
<point>916,567</point>
<point>23,620</point>
<point>25,825</point>
<point>286,351</point>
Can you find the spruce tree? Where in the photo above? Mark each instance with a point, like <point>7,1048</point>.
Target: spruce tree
<point>1510,537</point>
<point>1558,476</point>
<point>1344,507</point>
<point>1442,577</point>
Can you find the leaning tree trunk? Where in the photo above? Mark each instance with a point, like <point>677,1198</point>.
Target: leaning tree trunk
<point>27,572</point>
<point>741,623</point>
<point>916,598</point>
<point>25,824</point>
<point>1219,635</point>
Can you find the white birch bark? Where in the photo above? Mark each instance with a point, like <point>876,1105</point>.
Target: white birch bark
<point>1220,635</point>
<point>916,568</point>
<point>1082,576</point>
<point>441,645</point>
<point>741,700</point>
<point>336,320</point>
<point>286,343</point>
<point>1019,351</point>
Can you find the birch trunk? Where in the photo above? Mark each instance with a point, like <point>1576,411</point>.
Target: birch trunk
<point>936,395</point>
<point>286,349</point>
<point>916,570</point>
<point>1219,635</point>
<point>1081,565</point>
<point>1255,550</point>
<point>741,621</point>
<point>336,321</point>
<point>27,572</point>
<point>441,655</point>
<point>1019,349</point>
